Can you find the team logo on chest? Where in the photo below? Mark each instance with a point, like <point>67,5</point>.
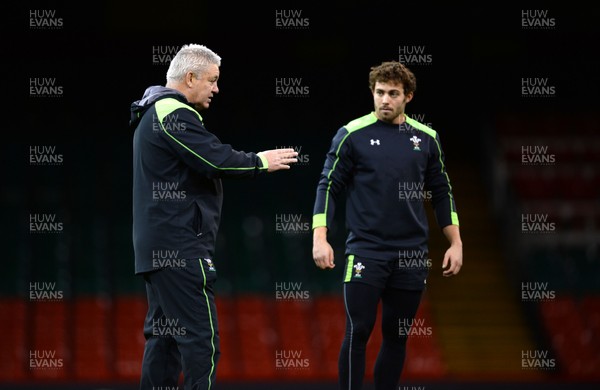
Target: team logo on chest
<point>416,141</point>
<point>375,142</point>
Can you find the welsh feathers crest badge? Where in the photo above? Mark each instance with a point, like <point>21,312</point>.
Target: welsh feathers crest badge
<point>416,141</point>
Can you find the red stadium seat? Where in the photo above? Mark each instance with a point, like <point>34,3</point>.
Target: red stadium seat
<point>92,352</point>
<point>296,356</point>
<point>128,319</point>
<point>13,328</point>
<point>423,355</point>
<point>228,367</point>
<point>590,307</point>
<point>49,354</point>
<point>331,320</point>
<point>258,338</point>
<point>570,338</point>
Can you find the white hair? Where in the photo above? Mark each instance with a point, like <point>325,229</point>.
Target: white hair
<point>191,58</point>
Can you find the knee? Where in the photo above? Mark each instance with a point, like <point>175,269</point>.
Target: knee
<point>360,331</point>
<point>199,348</point>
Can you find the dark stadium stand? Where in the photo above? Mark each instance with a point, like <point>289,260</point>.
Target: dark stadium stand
<point>547,168</point>
<point>480,324</point>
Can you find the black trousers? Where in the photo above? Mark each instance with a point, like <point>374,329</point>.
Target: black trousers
<point>398,309</point>
<point>181,328</point>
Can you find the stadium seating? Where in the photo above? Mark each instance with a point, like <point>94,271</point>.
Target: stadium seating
<point>566,190</point>
<point>101,339</point>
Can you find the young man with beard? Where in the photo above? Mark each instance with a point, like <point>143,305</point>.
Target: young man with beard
<point>389,165</point>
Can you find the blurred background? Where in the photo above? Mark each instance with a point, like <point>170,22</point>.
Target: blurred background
<point>512,91</point>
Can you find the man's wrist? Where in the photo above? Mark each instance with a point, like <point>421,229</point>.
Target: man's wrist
<point>263,159</point>
<point>320,233</point>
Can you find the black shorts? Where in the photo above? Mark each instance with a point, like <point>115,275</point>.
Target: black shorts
<point>397,273</point>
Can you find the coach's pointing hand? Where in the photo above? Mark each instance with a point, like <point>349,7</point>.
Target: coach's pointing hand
<point>279,158</point>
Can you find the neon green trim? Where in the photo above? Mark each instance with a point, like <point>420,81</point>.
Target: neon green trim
<point>319,220</point>
<point>212,329</point>
<point>361,122</point>
<point>265,162</point>
<point>349,267</point>
<point>331,171</point>
<point>454,216</point>
<point>451,200</point>
<point>418,125</point>
<point>166,106</point>
<point>432,133</point>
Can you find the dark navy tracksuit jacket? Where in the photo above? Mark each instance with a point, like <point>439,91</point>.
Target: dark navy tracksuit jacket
<point>389,172</point>
<point>177,171</point>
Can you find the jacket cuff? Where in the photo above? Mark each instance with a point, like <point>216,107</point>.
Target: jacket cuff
<point>264,161</point>
<point>319,220</point>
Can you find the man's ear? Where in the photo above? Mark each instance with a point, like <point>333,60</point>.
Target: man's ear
<point>409,97</point>
<point>189,76</point>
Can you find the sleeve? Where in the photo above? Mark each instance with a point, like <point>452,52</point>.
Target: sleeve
<point>438,182</point>
<point>333,179</point>
<point>204,152</point>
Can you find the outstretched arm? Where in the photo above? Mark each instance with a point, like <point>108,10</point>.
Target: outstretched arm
<point>277,159</point>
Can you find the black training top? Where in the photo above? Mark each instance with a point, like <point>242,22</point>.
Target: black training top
<point>388,172</point>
